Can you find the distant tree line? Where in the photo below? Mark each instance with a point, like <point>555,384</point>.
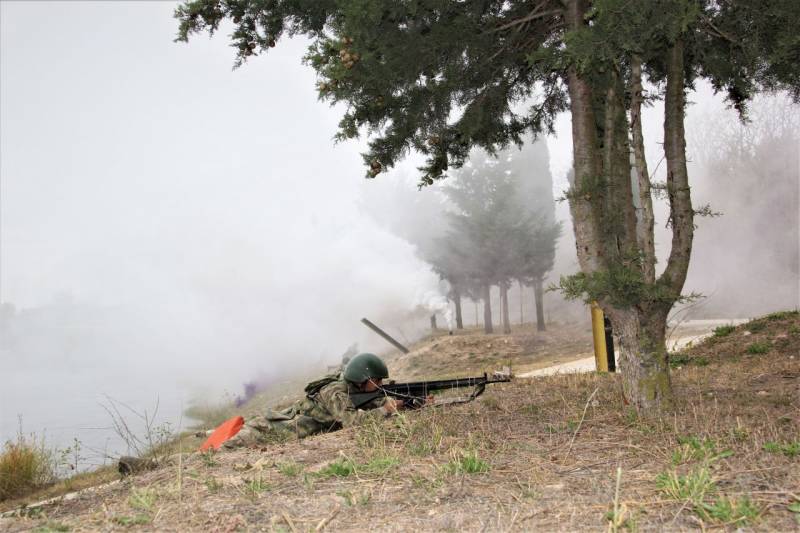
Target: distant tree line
<point>500,228</point>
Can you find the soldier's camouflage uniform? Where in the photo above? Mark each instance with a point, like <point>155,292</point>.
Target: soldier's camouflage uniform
<point>329,409</point>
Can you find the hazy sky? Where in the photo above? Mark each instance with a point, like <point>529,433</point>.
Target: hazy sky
<point>139,171</point>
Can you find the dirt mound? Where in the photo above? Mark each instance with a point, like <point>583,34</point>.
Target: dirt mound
<point>472,351</point>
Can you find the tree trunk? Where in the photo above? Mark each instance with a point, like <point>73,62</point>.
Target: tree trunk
<point>521,294</point>
<point>538,294</point>
<point>476,313</point>
<point>504,306</point>
<point>643,358</point>
<point>487,309</point>
<point>457,301</point>
<point>604,213</point>
<point>433,323</point>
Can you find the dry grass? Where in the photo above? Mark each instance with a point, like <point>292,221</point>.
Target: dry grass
<point>26,465</point>
<point>560,453</point>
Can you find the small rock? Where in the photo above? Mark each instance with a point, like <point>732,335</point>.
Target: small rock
<point>746,333</point>
<point>762,393</point>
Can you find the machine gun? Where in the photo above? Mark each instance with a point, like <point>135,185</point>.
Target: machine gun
<point>415,394</point>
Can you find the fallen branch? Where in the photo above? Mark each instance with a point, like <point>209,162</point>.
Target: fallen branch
<point>325,521</point>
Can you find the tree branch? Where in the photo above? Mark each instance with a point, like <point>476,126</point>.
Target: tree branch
<point>680,202</point>
<point>645,218</point>
<point>533,15</point>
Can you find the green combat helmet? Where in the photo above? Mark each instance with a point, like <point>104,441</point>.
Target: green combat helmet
<point>365,366</point>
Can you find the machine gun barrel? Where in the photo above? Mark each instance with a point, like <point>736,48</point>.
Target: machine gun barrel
<point>415,393</point>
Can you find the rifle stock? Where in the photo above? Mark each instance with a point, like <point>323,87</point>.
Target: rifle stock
<point>416,393</point>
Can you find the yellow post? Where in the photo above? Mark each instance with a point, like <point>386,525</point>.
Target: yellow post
<point>599,334</point>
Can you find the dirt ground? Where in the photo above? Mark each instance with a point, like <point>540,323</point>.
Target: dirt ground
<point>556,453</point>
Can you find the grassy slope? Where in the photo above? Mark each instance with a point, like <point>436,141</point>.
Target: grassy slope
<point>534,453</point>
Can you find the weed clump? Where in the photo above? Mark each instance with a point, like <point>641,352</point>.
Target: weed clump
<point>758,348</point>
<point>789,449</point>
<point>290,469</point>
<point>466,463</point>
<point>25,465</point>
<point>693,448</point>
<point>724,331</point>
<point>339,468</point>
<point>729,511</point>
<point>693,487</point>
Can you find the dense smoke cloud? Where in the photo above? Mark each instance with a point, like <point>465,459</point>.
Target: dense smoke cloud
<point>170,225</point>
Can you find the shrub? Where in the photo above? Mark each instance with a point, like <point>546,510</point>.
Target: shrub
<point>758,348</point>
<point>724,331</point>
<point>781,315</point>
<point>25,465</point>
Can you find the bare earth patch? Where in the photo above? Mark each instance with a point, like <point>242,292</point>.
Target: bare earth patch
<point>558,453</point>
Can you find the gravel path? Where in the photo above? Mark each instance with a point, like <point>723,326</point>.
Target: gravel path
<point>685,333</point>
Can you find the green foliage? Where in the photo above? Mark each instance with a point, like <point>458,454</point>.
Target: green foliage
<point>209,458</point>
<point>290,469</point>
<point>758,348</point>
<point>338,468</point>
<point>379,465</point>
<point>25,465</point>
<point>729,511</point>
<point>466,462</point>
<point>782,315</point>
<point>142,499</point>
<point>683,359</point>
<point>257,485</point>
<point>621,285</point>
<point>213,485</point>
<point>789,449</point>
<point>693,448</point>
<point>794,507</point>
<point>501,225</point>
<point>136,520</point>
<point>679,359</point>
<point>724,331</point>
<point>692,487</point>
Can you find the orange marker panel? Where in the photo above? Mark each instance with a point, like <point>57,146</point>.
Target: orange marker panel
<point>225,431</point>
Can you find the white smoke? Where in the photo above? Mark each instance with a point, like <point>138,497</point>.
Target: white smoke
<point>435,303</point>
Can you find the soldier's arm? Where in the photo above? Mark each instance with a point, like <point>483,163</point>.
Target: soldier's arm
<point>338,404</point>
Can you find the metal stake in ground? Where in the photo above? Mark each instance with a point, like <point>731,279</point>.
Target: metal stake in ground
<point>388,338</point>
